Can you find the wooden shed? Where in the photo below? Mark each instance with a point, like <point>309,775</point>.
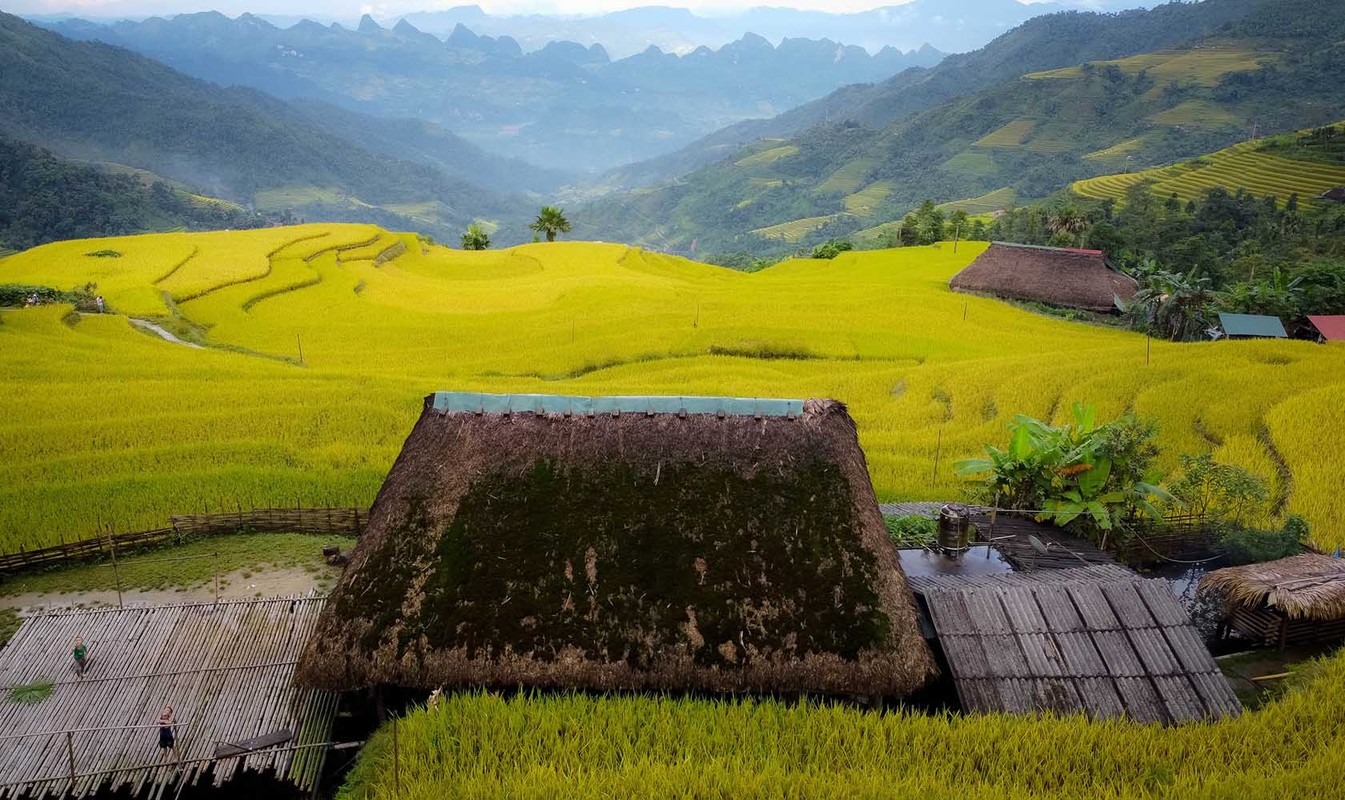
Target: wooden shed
<point>1094,640</point>
<point>1291,601</point>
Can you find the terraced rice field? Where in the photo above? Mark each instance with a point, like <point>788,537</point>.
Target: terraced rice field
<point>1009,136</point>
<point>848,178</point>
<point>1237,167</point>
<point>1196,114</point>
<point>985,204</point>
<point>1204,66</point>
<point>103,425</point>
<point>768,157</point>
<point>795,230</point>
<point>970,162</point>
<point>863,203</point>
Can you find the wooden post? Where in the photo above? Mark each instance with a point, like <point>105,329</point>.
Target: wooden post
<point>938,453</point>
<point>965,303</point>
<point>300,340</point>
<point>317,777</point>
<point>697,322</point>
<point>116,571</point>
<point>70,751</point>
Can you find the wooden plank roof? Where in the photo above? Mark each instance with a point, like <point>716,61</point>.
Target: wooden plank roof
<point>225,668</point>
<point>1095,640</point>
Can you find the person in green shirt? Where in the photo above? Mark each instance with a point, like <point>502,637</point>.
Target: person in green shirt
<point>81,654</point>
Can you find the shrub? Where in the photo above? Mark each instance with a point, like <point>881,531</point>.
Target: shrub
<point>832,248</point>
<point>1248,546</point>
<point>1219,492</point>
<point>1084,475</point>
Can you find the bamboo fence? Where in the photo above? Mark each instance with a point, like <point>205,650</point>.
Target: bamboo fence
<point>333,521</point>
<point>225,668</point>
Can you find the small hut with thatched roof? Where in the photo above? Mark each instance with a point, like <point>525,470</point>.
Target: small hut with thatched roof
<point>1295,600</point>
<point>1068,277</point>
<point>624,543</point>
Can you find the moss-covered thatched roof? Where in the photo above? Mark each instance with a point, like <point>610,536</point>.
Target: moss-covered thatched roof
<point>701,544</point>
<point>1059,276</point>
<point>1307,586</point>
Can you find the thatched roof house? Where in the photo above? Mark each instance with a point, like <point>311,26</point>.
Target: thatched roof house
<point>624,543</point>
<point>1067,277</point>
<point>1292,600</point>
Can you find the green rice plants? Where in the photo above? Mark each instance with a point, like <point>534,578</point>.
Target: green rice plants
<point>912,531</point>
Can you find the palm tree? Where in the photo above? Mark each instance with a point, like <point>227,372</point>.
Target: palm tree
<point>1067,220</point>
<point>551,221</point>
<point>476,237</point>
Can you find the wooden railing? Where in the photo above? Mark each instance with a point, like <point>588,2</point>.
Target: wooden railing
<point>334,521</point>
<point>1175,537</point>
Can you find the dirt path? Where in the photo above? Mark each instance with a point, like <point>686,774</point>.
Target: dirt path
<point>145,324</point>
<point>233,586</point>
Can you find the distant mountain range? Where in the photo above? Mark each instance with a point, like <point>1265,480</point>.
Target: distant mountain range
<point>1062,97</point>
<point>568,106</point>
<point>953,26</point>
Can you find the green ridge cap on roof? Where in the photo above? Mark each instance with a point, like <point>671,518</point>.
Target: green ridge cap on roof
<point>477,403</point>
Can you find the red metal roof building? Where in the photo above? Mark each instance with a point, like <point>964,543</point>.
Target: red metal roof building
<point>1332,328</point>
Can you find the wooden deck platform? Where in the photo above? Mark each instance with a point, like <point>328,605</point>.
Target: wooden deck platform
<point>1012,537</point>
<point>225,669</point>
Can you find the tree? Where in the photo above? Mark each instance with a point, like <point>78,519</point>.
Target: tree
<point>832,248</point>
<point>550,222</point>
<point>476,237</point>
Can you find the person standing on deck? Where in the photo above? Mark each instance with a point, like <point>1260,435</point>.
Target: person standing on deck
<point>167,740</point>
<point>81,654</point>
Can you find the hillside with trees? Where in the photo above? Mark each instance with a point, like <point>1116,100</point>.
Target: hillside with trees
<point>94,102</point>
<point>1026,137</point>
<point>45,199</point>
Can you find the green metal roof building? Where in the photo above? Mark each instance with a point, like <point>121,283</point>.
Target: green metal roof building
<point>1252,326</point>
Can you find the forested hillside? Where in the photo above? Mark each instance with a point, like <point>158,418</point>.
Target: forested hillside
<point>91,101</point>
<point>1024,138</point>
<point>45,199</point>
<point>1047,42</point>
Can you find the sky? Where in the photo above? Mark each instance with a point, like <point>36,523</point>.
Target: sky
<point>387,8</point>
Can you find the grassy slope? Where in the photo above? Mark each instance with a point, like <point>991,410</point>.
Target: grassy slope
<point>481,746</point>
<point>104,424</point>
